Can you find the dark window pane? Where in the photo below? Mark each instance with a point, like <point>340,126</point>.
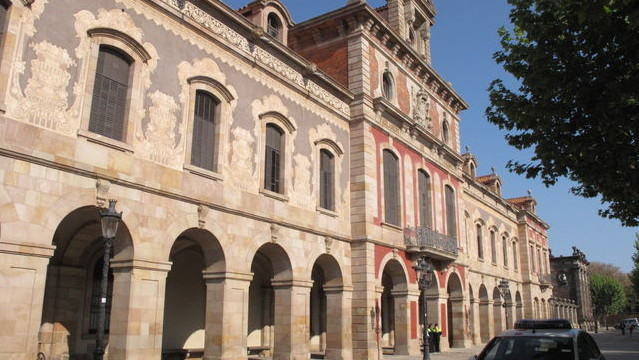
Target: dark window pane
<point>515,255</point>
<point>480,243</point>
<point>505,250</point>
<point>425,213</point>
<point>273,26</point>
<point>451,219</point>
<point>327,176</point>
<point>3,18</point>
<point>96,290</point>
<point>204,129</point>
<point>493,250</point>
<point>110,94</point>
<point>272,161</point>
<point>391,188</point>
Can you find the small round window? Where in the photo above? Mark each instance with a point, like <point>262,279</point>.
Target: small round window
<point>388,85</point>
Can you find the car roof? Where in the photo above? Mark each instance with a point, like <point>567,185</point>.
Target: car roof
<point>568,333</point>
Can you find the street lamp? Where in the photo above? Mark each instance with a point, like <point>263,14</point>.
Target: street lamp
<point>424,272</point>
<point>503,291</point>
<point>110,219</point>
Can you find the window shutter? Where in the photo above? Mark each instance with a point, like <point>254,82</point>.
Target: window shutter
<point>3,17</point>
<point>272,163</point>
<point>110,93</point>
<point>515,255</point>
<point>425,213</point>
<point>391,188</point>
<point>451,221</point>
<point>480,245</point>
<point>505,250</point>
<point>327,176</point>
<point>493,250</point>
<point>204,131</point>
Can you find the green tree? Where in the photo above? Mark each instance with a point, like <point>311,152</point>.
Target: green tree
<point>576,63</point>
<point>608,296</point>
<point>634,274</point>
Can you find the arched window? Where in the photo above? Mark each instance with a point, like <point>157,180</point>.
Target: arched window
<point>205,122</point>
<point>388,86</point>
<point>515,262</point>
<point>445,132</point>
<point>493,247</point>
<point>391,188</point>
<point>110,94</point>
<point>505,249</point>
<point>327,180</point>
<point>451,213</point>
<point>96,296</point>
<point>472,170</point>
<point>533,268</point>
<point>274,26</point>
<point>273,158</point>
<point>425,212</point>
<point>480,242</point>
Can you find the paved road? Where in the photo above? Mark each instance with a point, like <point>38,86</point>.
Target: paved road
<point>612,344</point>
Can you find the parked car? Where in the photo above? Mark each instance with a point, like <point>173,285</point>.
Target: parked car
<point>542,340</point>
<point>630,322</point>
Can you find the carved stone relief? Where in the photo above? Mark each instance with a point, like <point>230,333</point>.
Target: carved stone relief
<point>240,170</point>
<point>160,141</point>
<point>44,102</point>
<point>421,107</point>
<point>301,193</point>
<point>244,45</point>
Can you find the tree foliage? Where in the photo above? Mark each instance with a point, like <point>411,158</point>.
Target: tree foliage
<point>608,295</point>
<point>577,103</point>
<point>634,274</point>
<point>613,271</point>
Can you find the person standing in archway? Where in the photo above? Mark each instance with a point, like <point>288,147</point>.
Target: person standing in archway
<point>437,334</point>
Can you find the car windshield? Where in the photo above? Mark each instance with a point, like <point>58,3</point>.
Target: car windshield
<point>529,348</point>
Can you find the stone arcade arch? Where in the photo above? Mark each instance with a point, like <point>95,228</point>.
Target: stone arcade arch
<point>455,311</point>
<point>394,318</point>
<point>329,338</point>
<point>484,314</point>
<point>520,306</point>
<point>276,326</point>
<point>72,289</point>
<point>197,265</point>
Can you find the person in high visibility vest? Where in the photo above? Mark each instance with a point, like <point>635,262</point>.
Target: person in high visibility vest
<point>437,334</point>
<point>430,337</point>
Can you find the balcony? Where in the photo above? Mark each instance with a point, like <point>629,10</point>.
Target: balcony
<point>545,281</point>
<point>424,241</point>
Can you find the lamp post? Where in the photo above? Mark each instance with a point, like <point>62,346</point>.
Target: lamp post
<point>424,273</point>
<point>110,219</point>
<point>503,291</point>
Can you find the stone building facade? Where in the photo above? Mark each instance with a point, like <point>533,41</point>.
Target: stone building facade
<point>277,180</point>
<point>571,289</point>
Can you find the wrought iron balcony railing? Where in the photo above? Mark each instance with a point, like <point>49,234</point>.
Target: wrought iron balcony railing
<point>422,239</point>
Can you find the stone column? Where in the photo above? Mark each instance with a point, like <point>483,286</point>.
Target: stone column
<point>292,301</point>
<point>403,343</point>
<point>137,310</point>
<point>474,321</point>
<point>23,273</point>
<point>339,339</point>
<point>226,315</point>
<point>491,317</point>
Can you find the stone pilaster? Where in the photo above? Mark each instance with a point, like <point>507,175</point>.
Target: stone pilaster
<point>339,338</point>
<point>292,303</point>
<point>366,302</point>
<point>137,310</point>
<point>226,315</point>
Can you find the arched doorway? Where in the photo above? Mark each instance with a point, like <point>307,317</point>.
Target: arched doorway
<point>393,329</point>
<point>327,300</point>
<point>455,311</point>
<point>497,311</point>
<point>270,304</point>
<point>72,290</point>
<point>194,253</point>
<point>484,314</point>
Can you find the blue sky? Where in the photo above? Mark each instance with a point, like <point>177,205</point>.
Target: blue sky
<point>463,40</point>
